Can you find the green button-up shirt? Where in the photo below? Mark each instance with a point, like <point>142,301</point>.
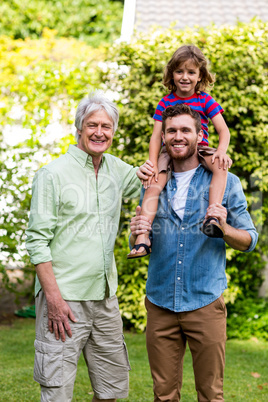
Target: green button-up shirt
<point>74,220</point>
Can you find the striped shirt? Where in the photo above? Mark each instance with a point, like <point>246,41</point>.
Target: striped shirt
<point>203,104</point>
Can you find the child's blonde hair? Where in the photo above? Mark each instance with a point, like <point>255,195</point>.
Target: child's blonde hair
<point>182,54</point>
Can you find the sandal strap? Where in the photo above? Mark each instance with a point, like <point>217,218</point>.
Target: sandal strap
<point>211,218</point>
<point>138,246</point>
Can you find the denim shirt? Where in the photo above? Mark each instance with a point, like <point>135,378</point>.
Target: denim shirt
<point>187,268</point>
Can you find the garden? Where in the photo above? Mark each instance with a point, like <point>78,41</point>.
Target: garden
<point>46,67</point>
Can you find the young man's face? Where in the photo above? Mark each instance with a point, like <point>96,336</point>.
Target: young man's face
<point>180,137</point>
<point>96,135</point>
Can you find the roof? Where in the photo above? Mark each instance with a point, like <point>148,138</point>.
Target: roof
<point>143,14</point>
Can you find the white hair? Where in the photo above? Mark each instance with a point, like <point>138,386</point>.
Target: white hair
<point>93,103</point>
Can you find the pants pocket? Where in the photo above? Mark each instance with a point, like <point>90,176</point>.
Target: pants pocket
<point>48,364</point>
<point>126,354</point>
<point>221,304</point>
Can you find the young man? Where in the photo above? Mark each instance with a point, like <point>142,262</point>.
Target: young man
<point>73,223</point>
<point>186,274</point>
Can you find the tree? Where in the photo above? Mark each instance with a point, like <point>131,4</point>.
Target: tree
<point>93,21</point>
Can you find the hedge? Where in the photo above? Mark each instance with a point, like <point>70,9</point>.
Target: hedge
<point>93,21</point>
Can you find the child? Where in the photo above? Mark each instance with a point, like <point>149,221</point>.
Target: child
<point>187,76</point>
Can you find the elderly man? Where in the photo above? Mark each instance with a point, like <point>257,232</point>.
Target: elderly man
<point>186,274</point>
<point>74,218</point>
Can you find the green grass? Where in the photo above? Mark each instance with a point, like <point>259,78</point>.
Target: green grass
<point>242,359</point>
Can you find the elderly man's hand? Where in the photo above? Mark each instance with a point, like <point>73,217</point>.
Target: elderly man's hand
<point>59,314</point>
<point>145,173</point>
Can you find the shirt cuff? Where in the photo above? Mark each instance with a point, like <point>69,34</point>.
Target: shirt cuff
<point>41,256</point>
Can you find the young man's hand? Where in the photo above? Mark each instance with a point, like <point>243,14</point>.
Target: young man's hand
<point>139,224</point>
<point>217,211</point>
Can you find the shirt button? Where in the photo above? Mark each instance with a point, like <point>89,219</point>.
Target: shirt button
<point>181,245</point>
<point>179,262</point>
<point>182,228</point>
<point>179,278</point>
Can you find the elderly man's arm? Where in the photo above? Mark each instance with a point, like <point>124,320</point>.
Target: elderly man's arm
<point>42,223</point>
<point>58,310</point>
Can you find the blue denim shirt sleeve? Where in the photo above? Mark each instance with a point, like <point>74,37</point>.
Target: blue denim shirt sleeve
<point>238,216</point>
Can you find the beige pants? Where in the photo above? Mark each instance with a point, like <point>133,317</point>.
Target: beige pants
<point>98,334</point>
<point>167,334</point>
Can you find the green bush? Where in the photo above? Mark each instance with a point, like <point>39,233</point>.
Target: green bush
<point>94,21</point>
<point>248,318</point>
<point>131,287</point>
<point>238,56</point>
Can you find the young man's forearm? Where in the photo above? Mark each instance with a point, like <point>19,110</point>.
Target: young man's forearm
<point>238,239</point>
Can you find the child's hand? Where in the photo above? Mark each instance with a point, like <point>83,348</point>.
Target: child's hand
<point>155,175</point>
<point>145,173</point>
<point>225,162</point>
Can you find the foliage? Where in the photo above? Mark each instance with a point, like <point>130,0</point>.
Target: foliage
<point>247,320</point>
<point>238,56</point>
<point>132,281</point>
<point>93,21</point>
<point>40,83</point>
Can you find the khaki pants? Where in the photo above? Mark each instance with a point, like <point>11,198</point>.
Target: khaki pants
<point>98,333</point>
<point>166,336</point>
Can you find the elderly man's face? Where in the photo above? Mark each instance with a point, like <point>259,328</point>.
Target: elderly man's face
<point>96,135</point>
<point>180,137</point>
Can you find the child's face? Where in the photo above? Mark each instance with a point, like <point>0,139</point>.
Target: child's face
<point>185,77</point>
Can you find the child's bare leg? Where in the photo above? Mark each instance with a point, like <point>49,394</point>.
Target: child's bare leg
<point>149,208</point>
<point>218,181</point>
<point>212,227</point>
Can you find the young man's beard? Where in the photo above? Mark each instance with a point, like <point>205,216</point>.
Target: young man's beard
<point>191,149</point>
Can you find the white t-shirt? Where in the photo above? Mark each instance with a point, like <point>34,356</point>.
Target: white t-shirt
<point>178,201</point>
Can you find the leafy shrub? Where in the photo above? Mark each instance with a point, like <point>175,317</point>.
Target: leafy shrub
<point>132,281</point>
<point>93,21</point>
<point>248,318</point>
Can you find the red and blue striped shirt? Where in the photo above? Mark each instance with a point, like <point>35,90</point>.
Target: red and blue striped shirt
<point>203,104</point>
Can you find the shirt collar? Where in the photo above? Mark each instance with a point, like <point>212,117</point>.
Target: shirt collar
<point>81,156</point>
<point>172,182</point>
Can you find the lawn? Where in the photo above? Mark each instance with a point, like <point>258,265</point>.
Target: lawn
<point>246,374</point>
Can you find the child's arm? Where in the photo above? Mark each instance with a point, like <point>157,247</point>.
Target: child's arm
<point>155,146</point>
<point>224,139</point>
